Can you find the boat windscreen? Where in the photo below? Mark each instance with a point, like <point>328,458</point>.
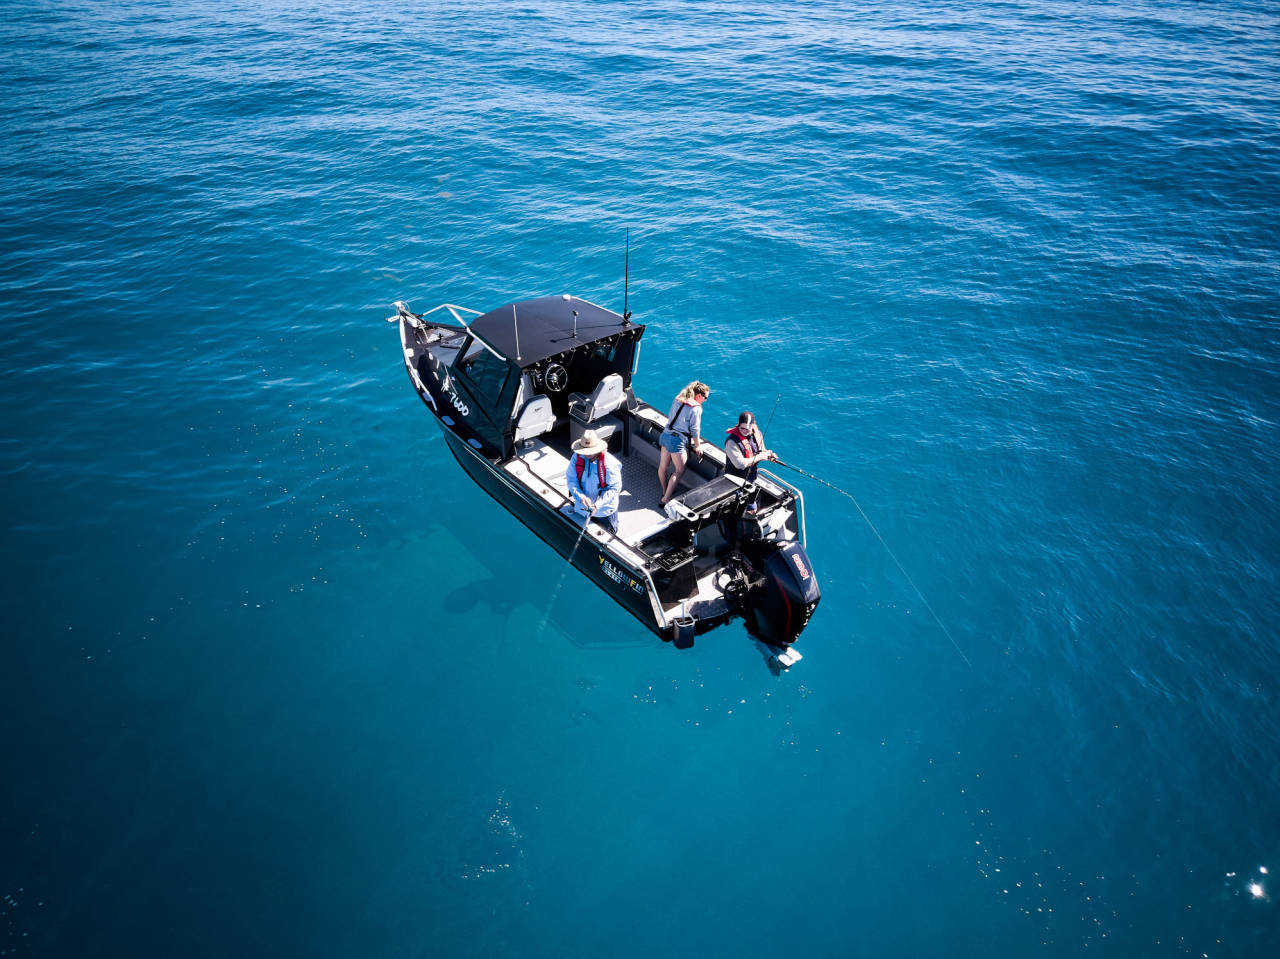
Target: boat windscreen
<point>489,384</point>
<point>484,374</point>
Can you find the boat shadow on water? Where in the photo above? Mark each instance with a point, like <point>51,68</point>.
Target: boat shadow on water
<point>485,594</point>
<point>523,621</point>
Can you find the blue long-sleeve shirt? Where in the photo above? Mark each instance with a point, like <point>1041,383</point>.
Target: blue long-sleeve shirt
<point>606,497</point>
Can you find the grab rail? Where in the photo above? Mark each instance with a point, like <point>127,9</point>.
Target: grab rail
<point>453,310</point>
<point>404,311</point>
<point>799,501</point>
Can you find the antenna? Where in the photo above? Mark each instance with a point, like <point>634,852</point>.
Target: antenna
<point>626,281</point>
<point>575,324</point>
<point>516,327</point>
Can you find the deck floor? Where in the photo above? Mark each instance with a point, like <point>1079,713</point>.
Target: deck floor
<point>639,511</point>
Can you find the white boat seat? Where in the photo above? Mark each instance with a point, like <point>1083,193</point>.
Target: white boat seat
<point>603,400</point>
<point>535,419</point>
<point>607,427</point>
<point>595,411</point>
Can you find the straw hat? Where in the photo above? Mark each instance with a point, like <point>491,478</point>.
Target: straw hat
<point>589,444</point>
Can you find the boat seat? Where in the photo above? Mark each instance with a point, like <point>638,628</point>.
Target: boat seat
<point>604,399</point>
<point>594,411</point>
<point>607,428</point>
<point>535,419</point>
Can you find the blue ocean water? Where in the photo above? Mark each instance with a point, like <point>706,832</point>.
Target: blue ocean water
<point>275,674</point>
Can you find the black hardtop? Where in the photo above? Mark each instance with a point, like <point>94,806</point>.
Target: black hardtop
<point>545,327</point>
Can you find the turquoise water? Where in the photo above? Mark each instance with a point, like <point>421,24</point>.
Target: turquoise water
<point>276,679</point>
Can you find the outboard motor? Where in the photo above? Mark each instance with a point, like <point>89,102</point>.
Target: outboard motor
<point>778,609</point>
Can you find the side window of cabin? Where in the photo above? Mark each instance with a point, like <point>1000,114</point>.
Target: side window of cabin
<point>467,355</point>
<point>485,375</point>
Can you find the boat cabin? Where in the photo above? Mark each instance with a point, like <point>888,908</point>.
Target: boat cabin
<point>523,367</point>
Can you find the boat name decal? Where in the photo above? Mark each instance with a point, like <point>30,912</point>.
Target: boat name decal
<point>620,577</point>
<point>458,405</point>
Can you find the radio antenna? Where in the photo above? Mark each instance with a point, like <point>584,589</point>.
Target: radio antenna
<point>626,280</point>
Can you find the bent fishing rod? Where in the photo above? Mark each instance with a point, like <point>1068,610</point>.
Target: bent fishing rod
<point>892,556</point>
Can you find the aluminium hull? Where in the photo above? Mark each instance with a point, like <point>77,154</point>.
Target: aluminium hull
<point>623,584</point>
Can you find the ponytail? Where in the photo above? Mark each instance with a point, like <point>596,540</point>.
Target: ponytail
<point>695,388</point>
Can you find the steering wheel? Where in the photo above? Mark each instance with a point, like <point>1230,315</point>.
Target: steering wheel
<point>555,377</point>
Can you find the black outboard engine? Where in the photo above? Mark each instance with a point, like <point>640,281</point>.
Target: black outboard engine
<point>779,608</point>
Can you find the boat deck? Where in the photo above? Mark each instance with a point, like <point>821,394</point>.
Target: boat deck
<point>541,466</point>
<point>639,512</point>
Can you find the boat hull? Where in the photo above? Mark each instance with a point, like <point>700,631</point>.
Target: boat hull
<point>624,585</point>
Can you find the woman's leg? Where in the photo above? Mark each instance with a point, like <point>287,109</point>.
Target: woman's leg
<point>663,463</point>
<point>678,461</point>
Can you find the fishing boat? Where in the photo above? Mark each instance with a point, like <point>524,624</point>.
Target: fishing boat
<point>514,388</point>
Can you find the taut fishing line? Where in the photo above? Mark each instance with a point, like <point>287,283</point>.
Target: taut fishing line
<point>563,573</point>
<point>893,557</point>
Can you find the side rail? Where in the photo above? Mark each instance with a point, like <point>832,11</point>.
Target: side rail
<point>454,311</point>
<point>402,311</point>
<point>799,501</point>
<point>405,315</point>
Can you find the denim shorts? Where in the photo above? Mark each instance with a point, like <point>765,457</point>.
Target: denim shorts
<point>672,442</point>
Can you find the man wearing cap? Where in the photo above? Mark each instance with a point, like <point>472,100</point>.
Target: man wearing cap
<point>594,478</point>
<point>744,449</point>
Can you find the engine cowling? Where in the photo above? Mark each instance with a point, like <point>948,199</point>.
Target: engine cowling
<point>777,610</point>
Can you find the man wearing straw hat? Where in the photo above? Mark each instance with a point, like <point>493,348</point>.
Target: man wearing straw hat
<point>594,478</point>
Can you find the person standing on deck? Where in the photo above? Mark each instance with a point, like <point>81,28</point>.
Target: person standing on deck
<point>683,433</point>
<point>594,478</point>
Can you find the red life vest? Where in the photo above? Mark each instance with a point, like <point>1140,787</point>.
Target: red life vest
<point>581,464</point>
<point>748,450</point>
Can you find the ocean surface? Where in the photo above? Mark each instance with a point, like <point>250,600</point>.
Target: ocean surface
<point>277,679</point>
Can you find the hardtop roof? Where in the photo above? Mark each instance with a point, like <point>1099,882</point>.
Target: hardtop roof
<point>544,327</point>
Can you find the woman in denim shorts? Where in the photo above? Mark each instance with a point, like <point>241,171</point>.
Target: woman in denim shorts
<point>683,433</point>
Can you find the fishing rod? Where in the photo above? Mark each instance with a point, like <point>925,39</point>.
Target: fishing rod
<point>892,556</point>
<point>771,412</point>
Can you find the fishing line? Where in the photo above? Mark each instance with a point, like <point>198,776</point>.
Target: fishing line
<point>563,573</point>
<point>893,557</point>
